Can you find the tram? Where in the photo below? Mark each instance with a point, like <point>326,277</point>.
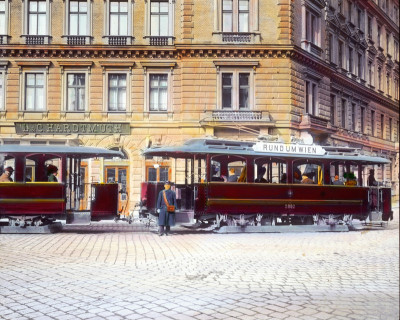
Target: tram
<point>29,199</point>
<point>233,183</point>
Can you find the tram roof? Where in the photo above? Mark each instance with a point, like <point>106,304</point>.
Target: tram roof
<point>78,151</point>
<point>245,148</point>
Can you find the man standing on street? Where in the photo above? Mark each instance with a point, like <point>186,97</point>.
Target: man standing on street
<point>166,204</point>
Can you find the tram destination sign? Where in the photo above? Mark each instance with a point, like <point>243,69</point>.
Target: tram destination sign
<point>72,128</point>
<point>288,148</point>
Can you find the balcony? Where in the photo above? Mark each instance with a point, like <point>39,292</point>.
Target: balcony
<point>119,40</point>
<point>160,40</point>
<point>36,40</point>
<point>237,37</point>
<point>237,116</point>
<point>316,124</point>
<point>78,40</point>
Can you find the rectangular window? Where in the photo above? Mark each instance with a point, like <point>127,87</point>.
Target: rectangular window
<point>359,19</point>
<point>37,22</point>
<point>396,51</point>
<point>379,78</point>
<point>235,88</point>
<point>387,42</point>
<point>159,18</point>
<point>333,110</point>
<point>78,18</point>
<point>244,13</point>
<point>379,36</point>
<point>340,54</point>
<point>343,113</point>
<point>353,117</point>
<point>351,60</point>
<point>369,27</point>
<point>373,123</point>
<point>117,92</point>
<point>76,92</point>
<point>350,10</point>
<point>119,18</point>
<point>311,27</point>
<point>370,73</point>
<point>34,92</point>
<point>330,47</point>
<point>396,89</point>
<point>388,83</point>
<point>1,91</point>
<point>382,126</point>
<point>227,90</point>
<point>359,65</point>
<point>362,119</point>
<point>3,26</point>
<point>235,15</point>
<point>391,129</point>
<point>158,92</point>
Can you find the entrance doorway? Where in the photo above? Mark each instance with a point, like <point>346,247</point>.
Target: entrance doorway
<point>119,174</point>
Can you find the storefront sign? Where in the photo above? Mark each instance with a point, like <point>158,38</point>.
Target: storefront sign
<point>288,148</point>
<point>71,128</point>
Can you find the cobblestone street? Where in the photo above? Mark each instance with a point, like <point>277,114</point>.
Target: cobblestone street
<point>121,271</point>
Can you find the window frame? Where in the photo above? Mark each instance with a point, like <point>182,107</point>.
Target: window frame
<point>236,71</point>
<point>65,89</point>
<point>153,71</point>
<point>171,21</point>
<point>26,29</point>
<point>127,91</point>
<point>311,100</point>
<point>4,36</point>
<point>107,17</point>
<point>67,23</point>
<point>24,91</point>
<point>3,79</point>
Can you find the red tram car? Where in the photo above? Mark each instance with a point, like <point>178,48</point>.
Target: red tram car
<point>30,200</point>
<point>269,189</point>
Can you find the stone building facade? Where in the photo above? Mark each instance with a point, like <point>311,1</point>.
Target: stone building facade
<point>125,74</point>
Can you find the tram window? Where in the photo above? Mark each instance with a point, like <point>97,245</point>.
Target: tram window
<point>164,174</point>
<point>110,175</point>
<point>267,171</point>
<point>157,173</point>
<point>308,173</point>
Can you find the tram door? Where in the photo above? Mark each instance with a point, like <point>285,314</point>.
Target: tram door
<point>119,175</point>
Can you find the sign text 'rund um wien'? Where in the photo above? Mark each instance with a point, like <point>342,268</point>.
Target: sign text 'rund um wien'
<point>72,128</point>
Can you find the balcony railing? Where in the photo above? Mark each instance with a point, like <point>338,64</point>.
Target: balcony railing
<point>239,37</point>
<point>159,40</point>
<point>117,40</point>
<point>76,40</point>
<point>237,116</point>
<point>34,40</point>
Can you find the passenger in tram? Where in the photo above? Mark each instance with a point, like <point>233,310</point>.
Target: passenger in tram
<point>52,173</point>
<point>283,178</point>
<point>166,204</point>
<point>351,179</point>
<point>374,192</point>
<point>260,175</point>
<point>337,181</point>
<point>297,176</point>
<point>6,176</point>
<point>232,175</point>
<point>306,180</point>
<point>214,172</point>
<point>371,179</point>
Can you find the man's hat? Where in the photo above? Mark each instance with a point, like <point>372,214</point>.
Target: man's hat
<point>9,169</point>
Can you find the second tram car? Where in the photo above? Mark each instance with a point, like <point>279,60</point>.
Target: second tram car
<point>31,200</point>
<point>270,183</point>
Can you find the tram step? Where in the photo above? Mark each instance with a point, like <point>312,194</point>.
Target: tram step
<point>283,229</point>
<point>50,228</point>
<point>78,217</point>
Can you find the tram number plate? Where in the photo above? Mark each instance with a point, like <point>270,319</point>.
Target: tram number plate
<point>290,206</point>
